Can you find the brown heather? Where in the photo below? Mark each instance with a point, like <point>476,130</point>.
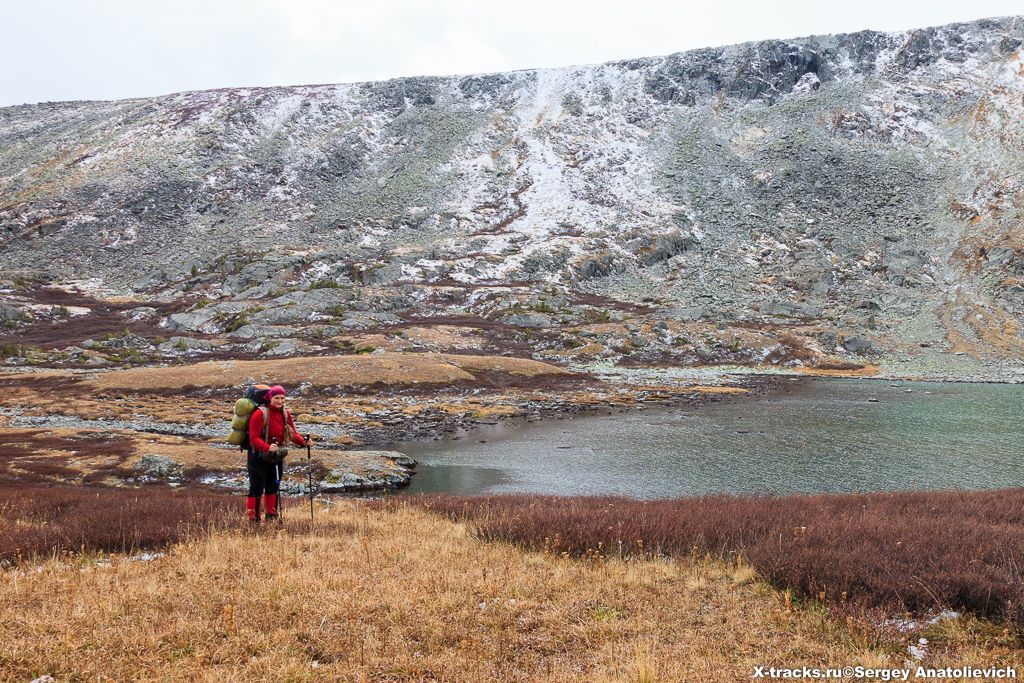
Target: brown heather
<point>915,552</point>
<point>58,520</point>
<point>400,594</point>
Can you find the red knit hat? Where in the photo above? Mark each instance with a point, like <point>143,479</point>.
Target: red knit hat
<point>276,390</point>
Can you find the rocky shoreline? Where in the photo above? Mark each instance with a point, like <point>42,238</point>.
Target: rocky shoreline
<point>384,476</point>
<point>357,449</point>
<point>352,455</point>
<point>433,428</point>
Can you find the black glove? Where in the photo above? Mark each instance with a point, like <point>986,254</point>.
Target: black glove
<point>275,455</point>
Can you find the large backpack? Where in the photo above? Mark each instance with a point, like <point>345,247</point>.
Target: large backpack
<point>255,396</point>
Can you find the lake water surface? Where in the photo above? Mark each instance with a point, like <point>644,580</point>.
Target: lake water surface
<point>813,435</point>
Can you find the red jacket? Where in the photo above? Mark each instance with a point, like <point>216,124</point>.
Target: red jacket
<point>276,431</point>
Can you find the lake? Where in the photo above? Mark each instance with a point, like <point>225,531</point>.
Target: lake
<point>812,435</point>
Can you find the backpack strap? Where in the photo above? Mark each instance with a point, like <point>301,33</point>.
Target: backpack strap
<point>288,438</point>
<point>266,423</point>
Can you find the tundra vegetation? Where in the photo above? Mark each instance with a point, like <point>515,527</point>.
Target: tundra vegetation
<point>396,591</point>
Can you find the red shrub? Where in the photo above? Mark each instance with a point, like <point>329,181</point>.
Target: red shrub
<point>45,520</point>
<point>899,551</point>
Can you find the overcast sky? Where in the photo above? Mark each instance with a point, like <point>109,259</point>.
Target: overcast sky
<point>109,49</point>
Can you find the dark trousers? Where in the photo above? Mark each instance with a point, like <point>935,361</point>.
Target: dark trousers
<point>263,476</point>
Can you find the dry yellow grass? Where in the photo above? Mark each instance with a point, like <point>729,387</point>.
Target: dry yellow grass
<point>997,329</point>
<point>980,331</point>
<point>863,371</point>
<point>403,595</point>
<point>421,338</point>
<point>388,368</point>
<point>186,452</point>
<point>515,366</point>
<point>702,389</point>
<point>497,411</point>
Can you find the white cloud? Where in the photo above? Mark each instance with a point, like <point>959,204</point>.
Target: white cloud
<point>104,49</point>
<point>452,52</point>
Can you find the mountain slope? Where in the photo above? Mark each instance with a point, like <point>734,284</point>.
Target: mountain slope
<point>867,182</point>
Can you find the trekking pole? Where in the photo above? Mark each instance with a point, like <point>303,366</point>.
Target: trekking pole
<point>278,475</point>
<point>309,469</point>
<point>280,491</point>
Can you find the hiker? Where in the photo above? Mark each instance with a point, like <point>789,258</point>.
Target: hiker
<point>271,428</point>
